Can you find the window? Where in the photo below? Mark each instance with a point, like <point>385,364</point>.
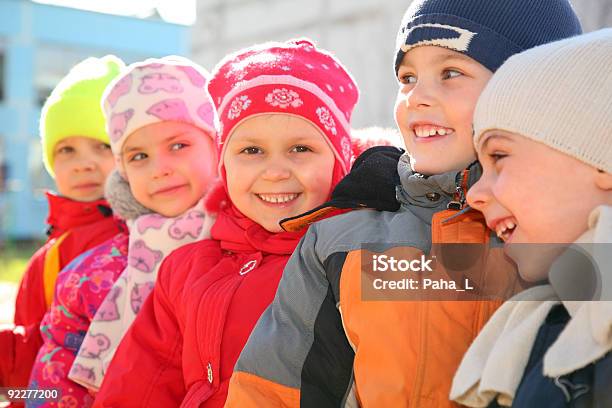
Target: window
<point>39,178</point>
<point>3,167</point>
<point>2,79</point>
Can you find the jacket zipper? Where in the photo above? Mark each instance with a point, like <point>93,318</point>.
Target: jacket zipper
<point>458,202</point>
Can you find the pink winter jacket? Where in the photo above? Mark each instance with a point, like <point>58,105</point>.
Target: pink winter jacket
<point>80,289</point>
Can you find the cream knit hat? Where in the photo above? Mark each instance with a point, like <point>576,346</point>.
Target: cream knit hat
<point>559,94</point>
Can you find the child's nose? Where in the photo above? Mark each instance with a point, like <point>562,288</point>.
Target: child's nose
<point>420,96</point>
<point>480,194</point>
<point>161,168</point>
<point>276,173</point>
<point>85,164</point>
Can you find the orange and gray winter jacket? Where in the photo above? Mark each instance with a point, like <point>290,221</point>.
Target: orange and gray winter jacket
<point>321,344</point>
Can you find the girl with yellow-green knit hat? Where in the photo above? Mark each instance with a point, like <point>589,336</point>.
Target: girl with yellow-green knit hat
<point>76,153</point>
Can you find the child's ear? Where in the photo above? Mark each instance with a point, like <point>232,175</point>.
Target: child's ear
<point>603,180</point>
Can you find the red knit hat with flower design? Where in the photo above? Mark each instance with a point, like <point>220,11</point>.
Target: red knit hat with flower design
<point>294,78</point>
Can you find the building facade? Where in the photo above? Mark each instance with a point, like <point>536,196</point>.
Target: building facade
<point>361,33</point>
<point>38,45</point>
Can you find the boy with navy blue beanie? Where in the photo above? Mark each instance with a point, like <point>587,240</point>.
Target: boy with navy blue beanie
<point>324,341</point>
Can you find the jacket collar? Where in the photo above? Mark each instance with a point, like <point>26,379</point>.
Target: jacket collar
<point>448,188</point>
<point>66,213</point>
<point>238,233</point>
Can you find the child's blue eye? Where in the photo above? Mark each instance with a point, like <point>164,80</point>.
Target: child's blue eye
<point>301,149</point>
<point>178,146</point>
<point>251,150</point>
<point>451,73</point>
<point>138,157</point>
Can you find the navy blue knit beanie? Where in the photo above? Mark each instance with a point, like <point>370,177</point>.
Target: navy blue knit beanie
<point>488,31</point>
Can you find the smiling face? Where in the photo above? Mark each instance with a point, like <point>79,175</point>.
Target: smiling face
<point>277,166</point>
<point>532,194</point>
<point>81,165</point>
<point>438,92</point>
<point>169,166</point>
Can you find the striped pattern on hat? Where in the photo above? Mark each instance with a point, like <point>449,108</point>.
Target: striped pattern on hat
<point>488,31</point>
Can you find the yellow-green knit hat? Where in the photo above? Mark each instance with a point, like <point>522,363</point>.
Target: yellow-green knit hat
<point>74,107</point>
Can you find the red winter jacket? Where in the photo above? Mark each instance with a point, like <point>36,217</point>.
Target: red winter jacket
<point>184,344</point>
<point>74,227</point>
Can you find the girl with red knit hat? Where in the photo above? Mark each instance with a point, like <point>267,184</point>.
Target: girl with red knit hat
<point>283,144</point>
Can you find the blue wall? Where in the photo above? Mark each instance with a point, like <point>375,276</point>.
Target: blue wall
<point>24,28</point>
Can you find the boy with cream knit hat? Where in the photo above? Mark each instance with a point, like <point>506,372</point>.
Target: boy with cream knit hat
<point>542,132</point>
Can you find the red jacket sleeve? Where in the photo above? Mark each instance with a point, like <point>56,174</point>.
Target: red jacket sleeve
<point>18,348</point>
<point>19,344</point>
<point>30,303</point>
<point>146,369</point>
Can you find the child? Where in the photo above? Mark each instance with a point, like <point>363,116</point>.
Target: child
<point>284,112</point>
<point>321,342</point>
<point>542,132</point>
<point>166,163</point>
<point>77,155</point>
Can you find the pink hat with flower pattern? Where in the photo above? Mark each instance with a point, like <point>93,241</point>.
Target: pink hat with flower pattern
<point>291,78</point>
<point>157,90</point>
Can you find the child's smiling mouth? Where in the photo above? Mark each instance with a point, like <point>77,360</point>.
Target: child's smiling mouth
<point>427,132</point>
<point>170,190</point>
<point>278,199</point>
<point>504,228</point>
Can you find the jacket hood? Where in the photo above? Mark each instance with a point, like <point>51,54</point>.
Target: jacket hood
<point>426,191</point>
<point>66,213</point>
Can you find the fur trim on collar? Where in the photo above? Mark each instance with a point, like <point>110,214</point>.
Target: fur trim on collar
<point>122,201</point>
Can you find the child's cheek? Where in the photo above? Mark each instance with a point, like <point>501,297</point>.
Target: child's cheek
<point>200,176</point>
<point>107,165</point>
<point>319,183</point>
<point>139,191</point>
<point>138,183</point>
<point>61,176</point>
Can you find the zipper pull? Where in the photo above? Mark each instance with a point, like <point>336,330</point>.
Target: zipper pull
<point>457,205</point>
<point>210,373</point>
<point>460,199</point>
<point>454,205</point>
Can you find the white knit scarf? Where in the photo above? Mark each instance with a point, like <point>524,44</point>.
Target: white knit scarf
<point>152,238</point>
<point>493,366</point>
